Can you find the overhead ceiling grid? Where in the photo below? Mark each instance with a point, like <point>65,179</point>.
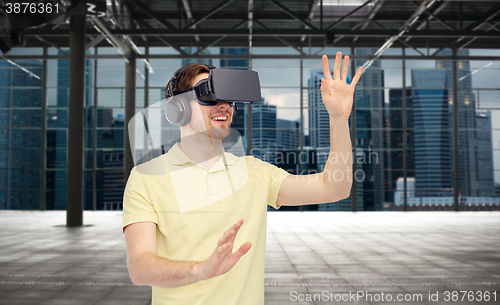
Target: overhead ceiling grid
<point>297,24</point>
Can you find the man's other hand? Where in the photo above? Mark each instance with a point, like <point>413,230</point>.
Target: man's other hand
<point>223,258</point>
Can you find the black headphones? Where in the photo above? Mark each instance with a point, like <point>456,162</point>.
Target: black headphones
<point>178,108</point>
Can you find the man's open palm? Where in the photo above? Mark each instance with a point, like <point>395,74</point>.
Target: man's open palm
<point>336,93</point>
<point>223,258</point>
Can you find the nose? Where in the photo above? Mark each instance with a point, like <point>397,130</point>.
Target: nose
<point>222,105</point>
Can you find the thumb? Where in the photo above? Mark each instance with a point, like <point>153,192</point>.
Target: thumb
<point>243,249</point>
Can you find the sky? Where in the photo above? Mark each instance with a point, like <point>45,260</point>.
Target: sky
<point>280,79</point>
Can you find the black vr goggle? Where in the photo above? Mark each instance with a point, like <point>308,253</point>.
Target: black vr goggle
<point>222,85</point>
<point>228,85</point>
<point>225,85</point>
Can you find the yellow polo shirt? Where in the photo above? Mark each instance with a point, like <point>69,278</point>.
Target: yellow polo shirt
<point>194,211</point>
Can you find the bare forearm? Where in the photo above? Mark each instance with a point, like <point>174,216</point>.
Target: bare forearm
<point>337,174</point>
<point>152,270</point>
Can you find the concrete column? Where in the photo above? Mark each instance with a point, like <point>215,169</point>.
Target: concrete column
<point>405,174</point>
<point>94,132</point>
<point>145,143</point>
<point>301,139</point>
<point>146,80</point>
<point>76,107</point>
<point>248,131</point>
<point>129,111</point>
<point>455,131</point>
<point>43,148</point>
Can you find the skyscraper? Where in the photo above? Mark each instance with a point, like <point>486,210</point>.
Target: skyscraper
<point>395,144</point>
<point>486,180</point>
<point>241,64</point>
<point>263,131</point>
<point>369,99</point>
<point>187,61</point>
<point>319,120</point>
<point>432,133</point>
<point>20,122</point>
<point>287,134</point>
<point>319,135</point>
<point>57,137</point>
<point>468,173</point>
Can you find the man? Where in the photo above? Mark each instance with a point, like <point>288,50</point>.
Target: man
<point>186,253</point>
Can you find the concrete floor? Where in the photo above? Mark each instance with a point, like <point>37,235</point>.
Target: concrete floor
<point>324,254</point>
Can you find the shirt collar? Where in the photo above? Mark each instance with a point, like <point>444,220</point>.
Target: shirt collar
<point>178,157</point>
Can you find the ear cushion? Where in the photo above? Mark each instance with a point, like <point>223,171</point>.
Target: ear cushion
<point>178,110</point>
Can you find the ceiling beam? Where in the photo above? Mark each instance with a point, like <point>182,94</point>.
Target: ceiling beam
<point>270,32</point>
<point>94,42</point>
<point>331,27</point>
<point>291,14</point>
<point>117,41</point>
<point>212,11</point>
<point>432,15</point>
<point>271,14</point>
<point>299,32</point>
<point>372,14</point>
<point>473,27</point>
<point>339,37</point>
<point>261,24</point>
<point>312,9</point>
<point>404,28</point>
<point>250,42</point>
<point>154,15</point>
<point>209,45</point>
<point>189,16</point>
<point>166,40</point>
<point>50,44</point>
<point>258,56</point>
<point>423,23</point>
<point>290,45</point>
<point>490,15</point>
<point>220,38</point>
<point>409,46</point>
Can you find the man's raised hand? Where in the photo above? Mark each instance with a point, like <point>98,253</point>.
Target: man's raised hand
<point>336,93</point>
<point>223,258</point>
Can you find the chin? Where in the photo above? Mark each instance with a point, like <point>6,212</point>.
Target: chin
<point>220,133</point>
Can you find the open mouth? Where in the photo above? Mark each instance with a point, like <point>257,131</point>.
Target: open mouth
<point>220,118</point>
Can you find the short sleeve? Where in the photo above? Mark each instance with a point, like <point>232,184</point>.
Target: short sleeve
<point>137,205</point>
<point>275,177</point>
<point>278,175</point>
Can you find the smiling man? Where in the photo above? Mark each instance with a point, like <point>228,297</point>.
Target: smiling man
<point>181,228</point>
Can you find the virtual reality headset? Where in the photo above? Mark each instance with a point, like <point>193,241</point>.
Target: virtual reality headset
<point>222,85</point>
<point>226,85</point>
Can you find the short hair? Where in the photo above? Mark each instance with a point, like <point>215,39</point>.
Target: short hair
<point>188,74</point>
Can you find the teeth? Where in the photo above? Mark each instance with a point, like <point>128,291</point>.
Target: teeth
<point>219,118</point>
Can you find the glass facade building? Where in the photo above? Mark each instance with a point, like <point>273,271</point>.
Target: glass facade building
<point>275,128</point>
<point>20,122</point>
<point>433,158</point>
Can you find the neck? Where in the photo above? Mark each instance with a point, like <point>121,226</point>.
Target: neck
<point>201,148</point>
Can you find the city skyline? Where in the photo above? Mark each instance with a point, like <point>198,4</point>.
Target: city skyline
<point>20,153</point>
<point>269,100</point>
